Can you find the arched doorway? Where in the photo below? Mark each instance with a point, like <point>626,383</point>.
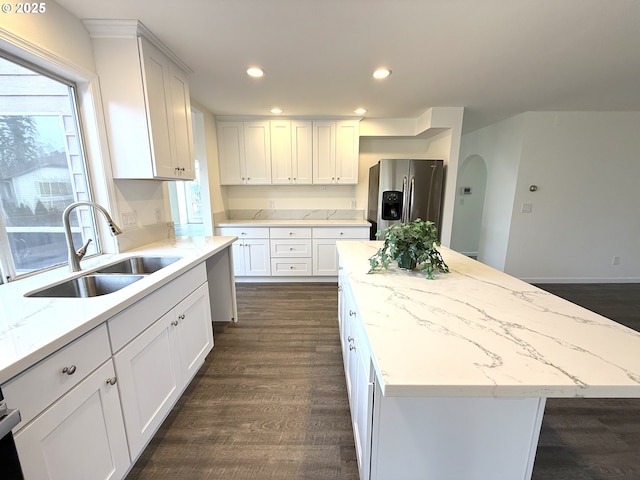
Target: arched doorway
<point>467,214</point>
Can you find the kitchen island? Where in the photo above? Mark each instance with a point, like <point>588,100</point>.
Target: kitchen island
<point>448,378</point>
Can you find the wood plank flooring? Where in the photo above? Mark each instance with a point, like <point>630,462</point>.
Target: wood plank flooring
<point>270,402</point>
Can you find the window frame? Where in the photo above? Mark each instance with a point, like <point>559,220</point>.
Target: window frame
<point>8,271</point>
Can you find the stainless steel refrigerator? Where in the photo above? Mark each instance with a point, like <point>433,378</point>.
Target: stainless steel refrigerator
<point>401,190</point>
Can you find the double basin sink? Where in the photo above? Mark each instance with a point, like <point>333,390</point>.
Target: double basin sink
<point>107,279</point>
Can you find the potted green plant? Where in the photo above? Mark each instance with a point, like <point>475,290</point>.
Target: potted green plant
<point>413,246</point>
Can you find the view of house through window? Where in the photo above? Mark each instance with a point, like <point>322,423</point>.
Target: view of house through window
<point>42,171</point>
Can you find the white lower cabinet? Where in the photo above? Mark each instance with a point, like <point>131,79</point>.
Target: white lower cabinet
<point>91,407</point>
<point>251,250</point>
<point>359,375</point>
<point>289,251</point>
<point>325,254</point>
<point>80,436</point>
<point>157,365</point>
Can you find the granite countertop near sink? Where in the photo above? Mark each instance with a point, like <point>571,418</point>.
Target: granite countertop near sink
<point>480,332</point>
<point>32,328</point>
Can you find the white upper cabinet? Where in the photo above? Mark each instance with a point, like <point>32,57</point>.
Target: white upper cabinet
<point>257,151</point>
<point>291,152</point>
<point>288,152</point>
<point>145,96</point>
<point>335,152</point>
<point>244,151</point>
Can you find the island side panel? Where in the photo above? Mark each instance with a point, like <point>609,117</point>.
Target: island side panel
<point>454,438</point>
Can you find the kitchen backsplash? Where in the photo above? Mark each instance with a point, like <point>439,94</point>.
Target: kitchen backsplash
<point>138,237</point>
<point>275,214</point>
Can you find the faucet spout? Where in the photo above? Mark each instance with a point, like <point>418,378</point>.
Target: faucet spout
<point>74,258</point>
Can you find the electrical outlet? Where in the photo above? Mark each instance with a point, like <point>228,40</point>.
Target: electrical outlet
<point>353,204</point>
<point>129,220</point>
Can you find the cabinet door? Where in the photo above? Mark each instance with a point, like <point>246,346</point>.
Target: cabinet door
<point>149,381</point>
<point>181,113</point>
<point>324,152</point>
<point>347,150</point>
<point>156,84</point>
<point>238,258</point>
<point>194,332</point>
<point>78,437</point>
<point>325,257</point>
<point>281,149</point>
<point>257,151</point>
<point>231,153</point>
<point>301,152</point>
<point>257,259</point>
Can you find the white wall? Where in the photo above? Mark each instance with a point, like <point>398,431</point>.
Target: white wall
<point>467,219</point>
<point>585,165</point>
<point>499,146</point>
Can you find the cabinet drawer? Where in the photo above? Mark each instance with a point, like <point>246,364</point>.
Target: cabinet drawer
<point>293,267</point>
<point>290,248</point>
<point>290,232</point>
<point>341,232</point>
<point>129,323</point>
<point>244,232</point>
<point>41,385</point>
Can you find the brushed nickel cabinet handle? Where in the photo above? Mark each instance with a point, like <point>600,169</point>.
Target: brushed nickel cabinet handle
<point>69,370</point>
<point>112,381</point>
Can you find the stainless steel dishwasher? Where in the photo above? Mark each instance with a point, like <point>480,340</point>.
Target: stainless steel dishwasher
<point>9,461</point>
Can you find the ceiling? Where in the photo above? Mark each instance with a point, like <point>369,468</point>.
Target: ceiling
<point>496,58</point>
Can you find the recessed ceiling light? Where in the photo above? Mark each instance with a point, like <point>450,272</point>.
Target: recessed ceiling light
<point>276,110</point>
<point>360,111</point>
<point>255,72</point>
<point>381,73</point>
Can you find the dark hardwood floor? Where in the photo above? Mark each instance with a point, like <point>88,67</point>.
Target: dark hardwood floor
<point>587,438</point>
<point>270,401</point>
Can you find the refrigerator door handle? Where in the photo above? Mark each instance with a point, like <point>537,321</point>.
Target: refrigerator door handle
<point>405,200</point>
<point>410,206</point>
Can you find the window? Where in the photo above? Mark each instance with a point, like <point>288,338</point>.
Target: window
<point>42,170</point>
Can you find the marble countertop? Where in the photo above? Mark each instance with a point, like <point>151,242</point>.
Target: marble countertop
<point>477,331</point>
<point>32,328</point>
<point>293,223</point>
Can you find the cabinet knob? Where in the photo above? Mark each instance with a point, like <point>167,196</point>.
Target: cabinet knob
<point>350,339</point>
<point>290,233</point>
<point>182,317</point>
<point>174,323</point>
<point>69,370</point>
<point>352,313</point>
<point>291,267</point>
<point>352,347</point>
<point>112,381</point>
<point>341,233</point>
<point>291,249</point>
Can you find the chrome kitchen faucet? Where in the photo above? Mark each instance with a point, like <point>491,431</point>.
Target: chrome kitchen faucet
<point>75,257</point>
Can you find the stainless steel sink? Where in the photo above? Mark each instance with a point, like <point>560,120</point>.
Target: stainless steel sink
<point>139,265</point>
<point>87,286</point>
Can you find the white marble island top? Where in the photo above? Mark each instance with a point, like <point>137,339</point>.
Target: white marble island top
<point>32,328</point>
<point>477,332</point>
